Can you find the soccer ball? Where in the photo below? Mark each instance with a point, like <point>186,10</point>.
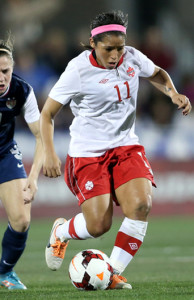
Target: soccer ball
<point>90,269</point>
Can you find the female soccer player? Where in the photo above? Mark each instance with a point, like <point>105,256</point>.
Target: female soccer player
<point>105,161</point>
<point>16,189</point>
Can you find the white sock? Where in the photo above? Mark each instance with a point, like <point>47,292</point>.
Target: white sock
<point>74,228</point>
<point>128,242</point>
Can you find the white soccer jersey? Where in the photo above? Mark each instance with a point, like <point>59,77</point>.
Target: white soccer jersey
<point>30,110</point>
<point>103,101</point>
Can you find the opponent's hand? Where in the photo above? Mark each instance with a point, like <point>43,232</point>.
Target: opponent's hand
<point>183,103</point>
<point>52,166</point>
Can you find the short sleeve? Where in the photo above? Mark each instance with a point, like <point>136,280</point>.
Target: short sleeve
<point>30,109</point>
<point>147,66</point>
<point>67,86</point>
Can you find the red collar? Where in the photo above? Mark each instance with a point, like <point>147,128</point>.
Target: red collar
<point>95,64</point>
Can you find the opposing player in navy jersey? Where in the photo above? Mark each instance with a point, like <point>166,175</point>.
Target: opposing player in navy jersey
<point>17,190</point>
<point>105,160</point>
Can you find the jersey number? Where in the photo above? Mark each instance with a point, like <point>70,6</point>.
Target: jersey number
<point>118,91</point>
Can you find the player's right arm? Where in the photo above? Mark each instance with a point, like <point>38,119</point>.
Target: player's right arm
<point>51,162</point>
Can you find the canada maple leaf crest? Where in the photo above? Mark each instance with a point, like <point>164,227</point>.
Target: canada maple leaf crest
<point>131,72</point>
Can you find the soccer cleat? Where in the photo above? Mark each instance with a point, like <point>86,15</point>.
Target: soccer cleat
<point>119,282</point>
<point>55,250</point>
<point>11,281</point>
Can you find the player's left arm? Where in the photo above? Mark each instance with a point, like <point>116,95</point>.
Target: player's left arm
<point>31,183</point>
<point>162,81</point>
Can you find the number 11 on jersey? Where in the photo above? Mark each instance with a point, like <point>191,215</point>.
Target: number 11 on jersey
<point>118,91</point>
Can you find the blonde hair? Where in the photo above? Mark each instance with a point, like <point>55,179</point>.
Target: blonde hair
<point>6,46</point>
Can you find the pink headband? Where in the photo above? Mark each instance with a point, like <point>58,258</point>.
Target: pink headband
<point>109,27</point>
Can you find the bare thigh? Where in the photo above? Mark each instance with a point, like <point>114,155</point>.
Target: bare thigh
<point>135,198</point>
<point>12,197</point>
<point>98,213</point>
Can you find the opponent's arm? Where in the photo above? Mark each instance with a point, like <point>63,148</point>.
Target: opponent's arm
<point>51,162</point>
<point>162,81</point>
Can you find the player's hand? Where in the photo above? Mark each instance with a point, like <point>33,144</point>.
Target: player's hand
<point>30,190</point>
<point>52,166</point>
<point>183,103</point>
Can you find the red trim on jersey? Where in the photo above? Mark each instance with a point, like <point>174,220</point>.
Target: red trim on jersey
<point>127,243</point>
<point>72,232</point>
<point>95,64</point>
<point>120,61</point>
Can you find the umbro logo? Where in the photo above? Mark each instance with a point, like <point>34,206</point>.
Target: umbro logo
<point>103,81</point>
<point>133,246</point>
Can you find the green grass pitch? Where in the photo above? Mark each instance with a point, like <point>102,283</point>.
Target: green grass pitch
<point>162,269</point>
